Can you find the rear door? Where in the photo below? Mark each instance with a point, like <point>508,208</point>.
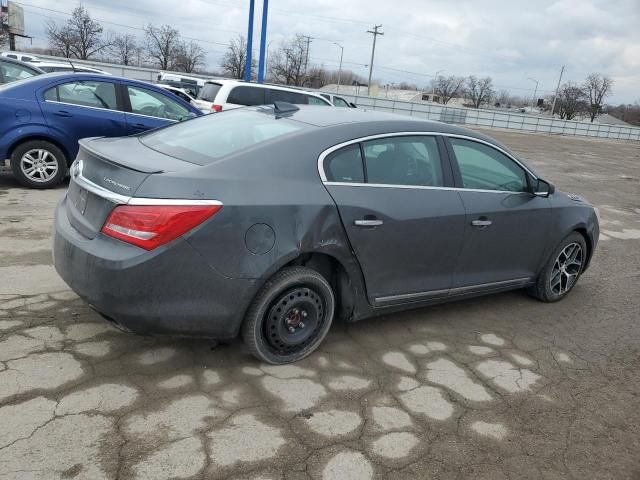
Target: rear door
<point>403,220</point>
<point>149,109</point>
<point>507,228</point>
<point>84,108</point>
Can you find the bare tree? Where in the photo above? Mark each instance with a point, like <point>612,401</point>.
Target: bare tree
<point>597,87</point>
<point>4,35</point>
<point>124,47</point>
<point>479,90</point>
<point>448,87</point>
<point>189,56</point>
<point>571,101</point>
<point>629,113</point>
<point>61,40</point>
<point>80,37</point>
<point>234,61</point>
<point>162,44</point>
<point>287,64</point>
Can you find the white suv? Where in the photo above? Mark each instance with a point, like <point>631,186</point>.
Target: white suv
<point>218,95</point>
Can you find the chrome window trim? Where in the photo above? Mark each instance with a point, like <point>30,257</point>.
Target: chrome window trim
<point>127,200</point>
<point>421,187</point>
<point>151,116</point>
<point>330,150</point>
<point>102,109</point>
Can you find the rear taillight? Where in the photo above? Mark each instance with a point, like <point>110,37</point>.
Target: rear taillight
<point>149,226</point>
<point>216,108</point>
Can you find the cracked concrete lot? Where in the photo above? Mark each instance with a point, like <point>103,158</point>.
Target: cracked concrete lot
<point>499,387</point>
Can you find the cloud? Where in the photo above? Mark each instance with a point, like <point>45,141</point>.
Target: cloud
<point>510,40</point>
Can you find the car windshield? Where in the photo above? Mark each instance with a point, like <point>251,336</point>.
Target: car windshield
<point>208,138</point>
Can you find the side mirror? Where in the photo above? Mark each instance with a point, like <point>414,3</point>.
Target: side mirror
<point>542,188</point>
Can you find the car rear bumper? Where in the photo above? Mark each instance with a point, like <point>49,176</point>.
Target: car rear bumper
<point>168,291</point>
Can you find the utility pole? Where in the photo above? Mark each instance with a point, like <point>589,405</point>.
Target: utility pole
<point>306,61</point>
<point>555,97</point>
<point>263,40</point>
<point>375,33</point>
<point>247,64</point>
<point>535,93</point>
<point>340,67</point>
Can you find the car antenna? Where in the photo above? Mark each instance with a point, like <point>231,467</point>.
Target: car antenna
<point>73,67</point>
<point>281,108</point>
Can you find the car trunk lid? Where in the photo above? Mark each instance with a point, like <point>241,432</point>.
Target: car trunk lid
<point>107,172</point>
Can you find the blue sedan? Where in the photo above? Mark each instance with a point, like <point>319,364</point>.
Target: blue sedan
<point>42,118</point>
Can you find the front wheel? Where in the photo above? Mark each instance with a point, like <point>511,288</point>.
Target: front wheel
<point>289,317</point>
<point>562,270</point>
<point>38,164</point>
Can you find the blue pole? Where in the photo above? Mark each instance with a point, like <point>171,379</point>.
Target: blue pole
<point>263,42</point>
<point>247,65</point>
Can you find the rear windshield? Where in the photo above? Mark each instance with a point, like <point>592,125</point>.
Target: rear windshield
<point>209,92</point>
<point>205,139</point>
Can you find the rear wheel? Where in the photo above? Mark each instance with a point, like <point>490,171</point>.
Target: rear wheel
<point>38,164</point>
<point>289,317</point>
<point>562,270</point>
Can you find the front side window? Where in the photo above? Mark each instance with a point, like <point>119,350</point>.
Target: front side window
<point>345,165</point>
<point>485,168</point>
<point>155,104</point>
<point>246,96</point>
<point>339,102</point>
<point>410,160</point>
<point>86,93</point>
<point>317,101</point>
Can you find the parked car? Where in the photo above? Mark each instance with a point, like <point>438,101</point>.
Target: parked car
<point>183,93</point>
<point>270,221</point>
<point>50,67</point>
<point>218,95</point>
<point>12,70</point>
<point>23,57</point>
<point>42,119</point>
<point>337,100</point>
<point>191,84</point>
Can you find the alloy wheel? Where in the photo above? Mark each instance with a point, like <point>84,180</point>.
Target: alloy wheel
<point>39,165</point>
<point>566,269</point>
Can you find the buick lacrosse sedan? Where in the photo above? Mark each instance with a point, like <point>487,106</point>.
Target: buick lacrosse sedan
<point>269,222</point>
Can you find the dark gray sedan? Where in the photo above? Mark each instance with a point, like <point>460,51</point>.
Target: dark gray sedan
<point>270,222</point>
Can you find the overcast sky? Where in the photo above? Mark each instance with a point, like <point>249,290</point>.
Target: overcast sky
<point>510,40</point>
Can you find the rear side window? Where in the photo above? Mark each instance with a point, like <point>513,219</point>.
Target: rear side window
<point>85,93</point>
<point>205,139</point>
<point>209,92</point>
<point>246,96</point>
<point>345,165</point>
<point>410,160</point>
<point>10,72</point>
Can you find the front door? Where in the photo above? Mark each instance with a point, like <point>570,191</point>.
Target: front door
<point>404,225</point>
<point>506,227</point>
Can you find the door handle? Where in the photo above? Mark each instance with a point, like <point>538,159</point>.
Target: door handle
<point>481,223</point>
<point>368,223</point>
<point>62,113</point>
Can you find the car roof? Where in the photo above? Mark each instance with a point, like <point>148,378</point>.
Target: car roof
<point>381,122</point>
<point>23,64</point>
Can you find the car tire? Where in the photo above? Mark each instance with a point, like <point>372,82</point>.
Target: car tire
<point>562,270</point>
<point>38,164</point>
<point>289,317</point>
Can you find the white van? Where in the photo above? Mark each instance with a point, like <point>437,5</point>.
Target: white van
<point>218,95</point>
